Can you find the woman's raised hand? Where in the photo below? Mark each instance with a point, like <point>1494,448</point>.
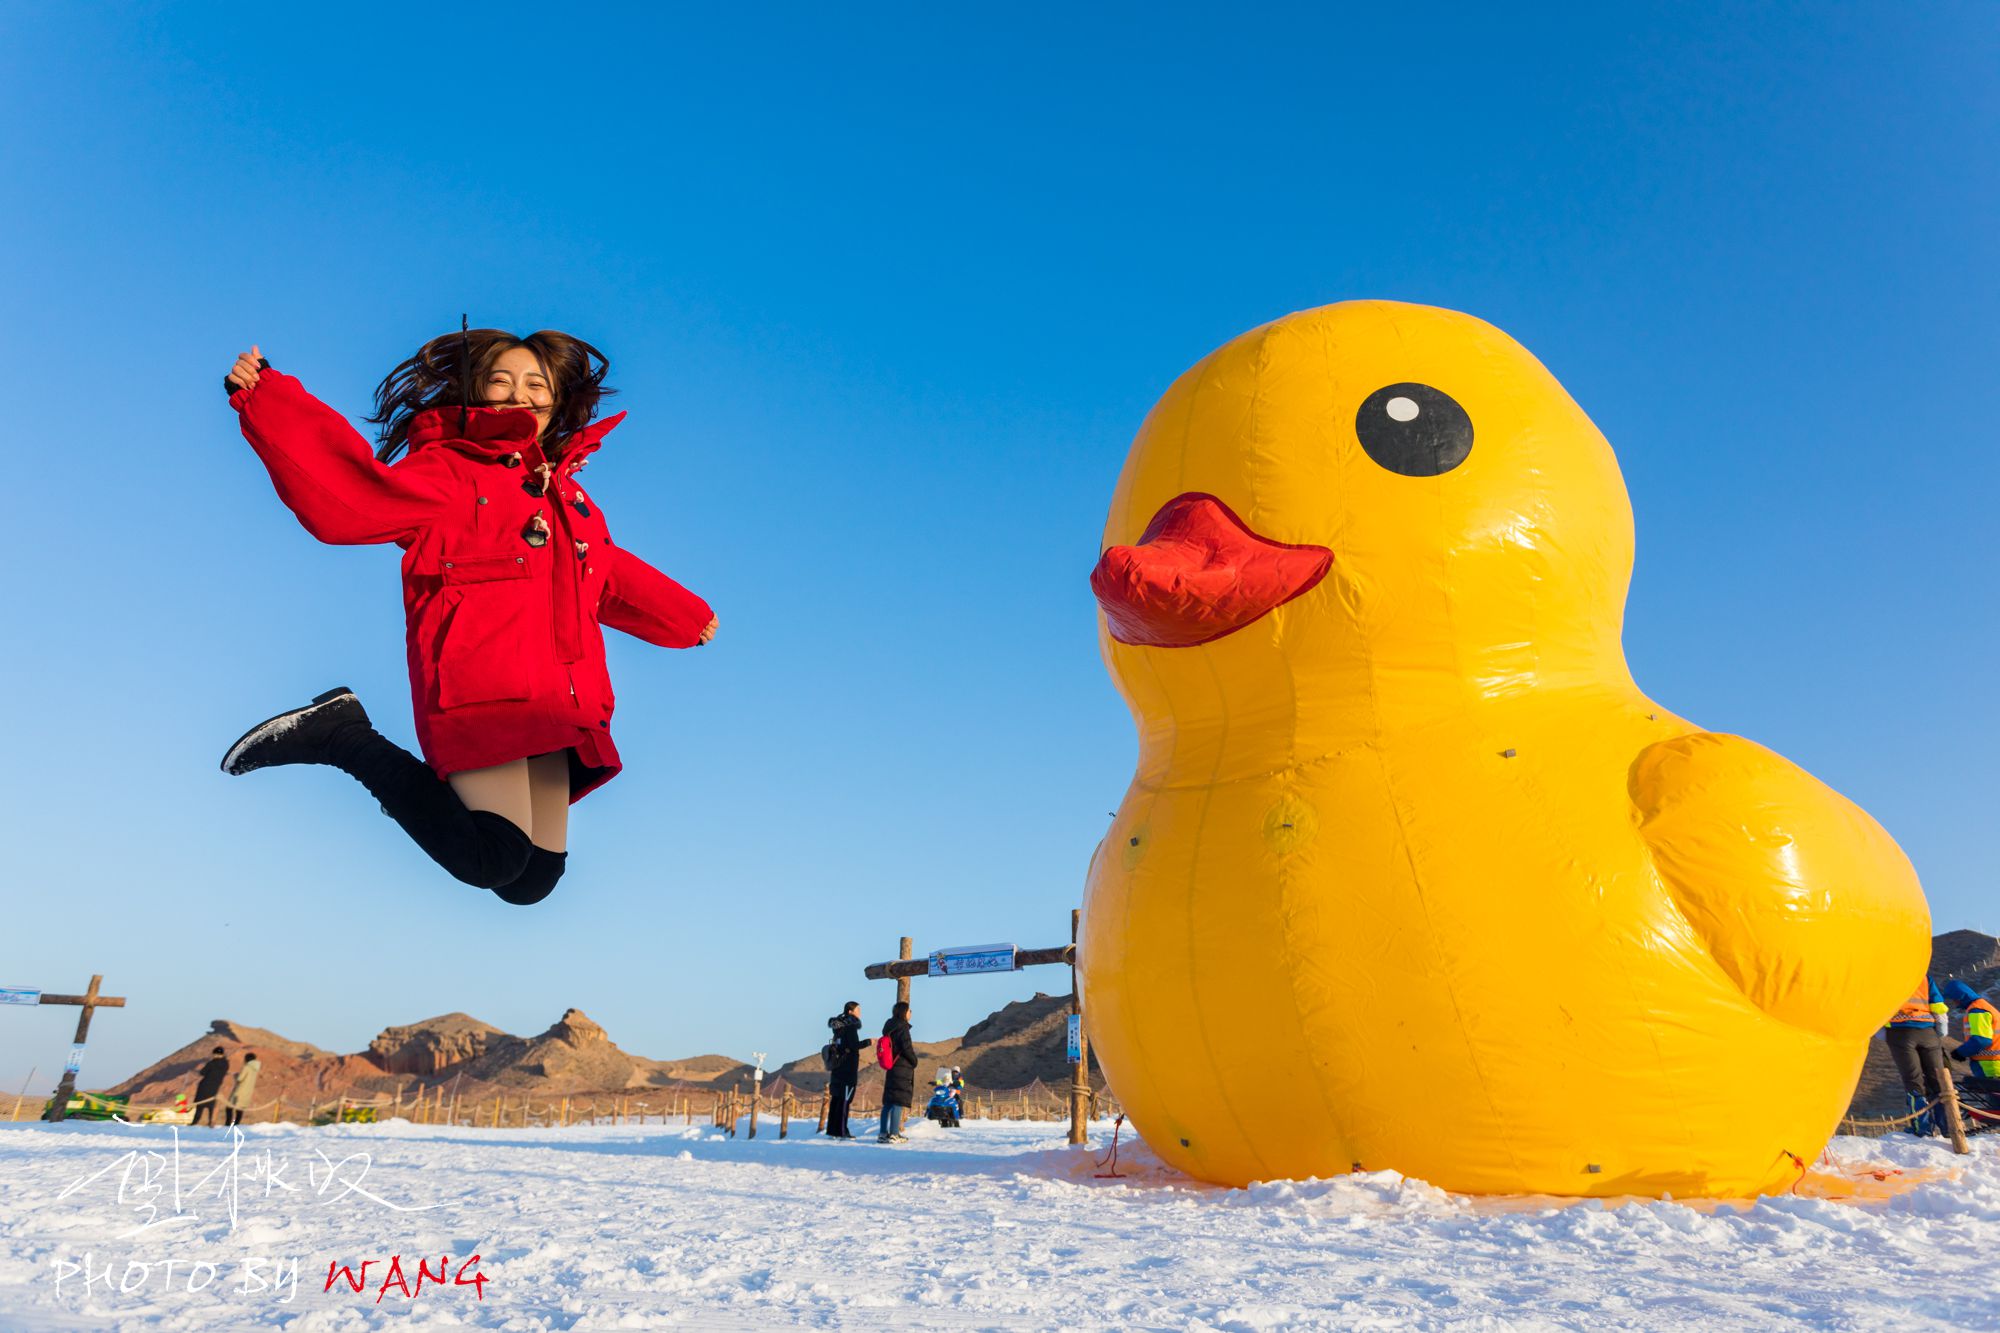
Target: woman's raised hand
<point>243,375</point>
<point>707,631</point>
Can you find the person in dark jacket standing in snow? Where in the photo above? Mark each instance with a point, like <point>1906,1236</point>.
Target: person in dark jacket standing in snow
<point>845,1072</point>
<point>899,1086</point>
<point>509,575</point>
<point>209,1086</point>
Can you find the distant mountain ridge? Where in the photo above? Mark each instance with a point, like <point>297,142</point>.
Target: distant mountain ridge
<point>1016,1045</point>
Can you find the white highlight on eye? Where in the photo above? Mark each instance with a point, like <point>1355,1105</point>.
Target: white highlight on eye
<point>1401,409</point>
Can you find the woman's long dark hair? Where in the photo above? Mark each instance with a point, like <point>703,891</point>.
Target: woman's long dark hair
<point>448,369</point>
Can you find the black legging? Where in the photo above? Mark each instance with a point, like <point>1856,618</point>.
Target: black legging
<point>485,850</point>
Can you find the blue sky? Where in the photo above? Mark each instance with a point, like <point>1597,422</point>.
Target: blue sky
<point>887,292</point>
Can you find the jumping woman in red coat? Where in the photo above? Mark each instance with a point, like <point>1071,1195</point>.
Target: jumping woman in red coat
<point>508,574</point>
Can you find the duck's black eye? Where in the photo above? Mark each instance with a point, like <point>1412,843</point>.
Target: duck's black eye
<point>1414,430</point>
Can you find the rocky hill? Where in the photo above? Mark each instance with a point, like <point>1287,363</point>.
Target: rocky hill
<point>574,1055</point>
<point>1016,1045</point>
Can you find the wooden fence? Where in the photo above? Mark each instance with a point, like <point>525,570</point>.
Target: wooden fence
<point>779,1108</point>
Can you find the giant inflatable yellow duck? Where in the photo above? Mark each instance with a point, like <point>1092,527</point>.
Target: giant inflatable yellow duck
<point>1411,874</point>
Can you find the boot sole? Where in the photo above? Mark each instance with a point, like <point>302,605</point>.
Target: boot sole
<point>263,728</point>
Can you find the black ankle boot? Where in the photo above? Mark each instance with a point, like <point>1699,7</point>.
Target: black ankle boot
<point>297,737</point>
<point>478,847</point>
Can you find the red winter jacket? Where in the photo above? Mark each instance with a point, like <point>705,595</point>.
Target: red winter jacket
<point>506,653</point>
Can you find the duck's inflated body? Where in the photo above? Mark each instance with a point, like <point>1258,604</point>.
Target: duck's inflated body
<point>1411,874</point>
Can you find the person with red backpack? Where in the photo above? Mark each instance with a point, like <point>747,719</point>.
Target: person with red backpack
<point>897,1055</point>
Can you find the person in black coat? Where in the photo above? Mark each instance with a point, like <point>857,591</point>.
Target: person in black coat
<point>899,1086</point>
<point>845,1071</point>
<point>209,1087</point>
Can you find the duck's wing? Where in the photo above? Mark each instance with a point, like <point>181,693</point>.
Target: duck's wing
<point>1809,906</point>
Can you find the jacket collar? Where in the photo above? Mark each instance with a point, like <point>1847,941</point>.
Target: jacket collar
<point>491,434</point>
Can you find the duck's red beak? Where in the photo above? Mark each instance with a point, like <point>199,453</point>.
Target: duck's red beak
<point>1198,574</point>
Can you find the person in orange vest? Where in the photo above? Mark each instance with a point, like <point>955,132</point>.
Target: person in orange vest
<point>1916,1043</point>
<point>1981,1047</point>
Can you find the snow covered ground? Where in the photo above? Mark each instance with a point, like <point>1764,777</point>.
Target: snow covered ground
<point>998,1225</point>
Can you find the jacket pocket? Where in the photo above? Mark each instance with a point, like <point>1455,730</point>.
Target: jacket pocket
<point>480,655</point>
<point>485,569</point>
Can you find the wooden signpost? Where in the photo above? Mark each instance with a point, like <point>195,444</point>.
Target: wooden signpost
<point>987,958</point>
<point>89,1001</point>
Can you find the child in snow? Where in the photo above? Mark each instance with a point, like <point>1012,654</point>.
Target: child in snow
<point>943,1105</point>
<point>508,574</point>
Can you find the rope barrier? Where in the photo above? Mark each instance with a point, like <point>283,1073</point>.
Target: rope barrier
<point>1114,1173</point>
<point>423,1104</point>
<point>1909,1119</point>
<point>1798,1162</point>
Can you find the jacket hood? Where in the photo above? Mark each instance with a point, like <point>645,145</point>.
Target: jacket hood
<point>1958,993</point>
<point>494,433</point>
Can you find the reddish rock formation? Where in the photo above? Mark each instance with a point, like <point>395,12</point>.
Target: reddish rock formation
<point>432,1046</point>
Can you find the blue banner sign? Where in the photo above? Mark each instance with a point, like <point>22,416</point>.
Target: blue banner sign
<point>75,1061</point>
<point>19,995</point>
<point>1075,1038</point>
<point>972,958</point>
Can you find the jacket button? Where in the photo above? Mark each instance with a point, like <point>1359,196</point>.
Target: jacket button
<point>447,564</point>
<point>532,487</point>
<point>520,559</point>
<point>482,499</point>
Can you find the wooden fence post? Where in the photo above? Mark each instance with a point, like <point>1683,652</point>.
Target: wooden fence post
<point>785,1114</point>
<point>1079,1083</point>
<point>1954,1122</point>
<point>903,983</point>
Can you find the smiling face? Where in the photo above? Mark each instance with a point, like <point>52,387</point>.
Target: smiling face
<point>517,378</point>
<point>1364,497</point>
